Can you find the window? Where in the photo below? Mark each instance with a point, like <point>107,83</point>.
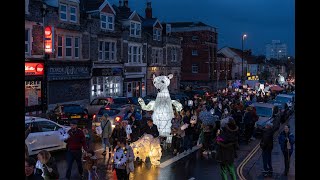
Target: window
<point>194,38</point>
<point>157,34</point>
<point>174,54</point>
<point>194,52</point>
<point>157,57</point>
<point>73,14</point>
<point>47,126</point>
<point>59,46</point>
<point>27,42</point>
<point>76,47</point>
<point>107,51</point>
<point>194,68</point>
<point>63,12</point>
<point>68,46</point>
<point>135,29</point>
<point>135,54</point>
<point>107,22</point>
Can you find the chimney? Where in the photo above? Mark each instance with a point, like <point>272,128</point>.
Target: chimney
<point>148,10</point>
<point>120,3</point>
<point>126,3</point>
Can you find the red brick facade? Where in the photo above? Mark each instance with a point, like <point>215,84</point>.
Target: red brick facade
<point>202,42</point>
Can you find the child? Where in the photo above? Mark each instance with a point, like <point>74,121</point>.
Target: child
<point>90,165</point>
<point>87,135</point>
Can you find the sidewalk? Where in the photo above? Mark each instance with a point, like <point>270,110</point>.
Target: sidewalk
<point>254,168</point>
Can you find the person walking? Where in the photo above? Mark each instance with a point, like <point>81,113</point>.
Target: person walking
<point>75,142</point>
<point>286,141</point>
<point>248,124</point>
<point>106,133</point>
<point>266,145</point>
<point>227,140</point>
<point>123,160</point>
<point>30,170</point>
<point>176,133</point>
<point>135,127</point>
<point>189,131</point>
<point>117,133</point>
<point>48,165</point>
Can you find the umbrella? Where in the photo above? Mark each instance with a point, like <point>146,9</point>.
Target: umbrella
<point>276,88</point>
<point>207,118</point>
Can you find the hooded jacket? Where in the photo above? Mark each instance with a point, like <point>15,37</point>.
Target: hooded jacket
<point>283,141</point>
<point>266,142</point>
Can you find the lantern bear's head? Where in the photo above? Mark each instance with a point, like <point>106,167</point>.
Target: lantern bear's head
<point>162,82</point>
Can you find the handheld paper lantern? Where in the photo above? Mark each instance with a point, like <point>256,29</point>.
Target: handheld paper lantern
<point>193,119</point>
<point>185,126</point>
<point>119,157</point>
<point>162,106</point>
<point>128,131</point>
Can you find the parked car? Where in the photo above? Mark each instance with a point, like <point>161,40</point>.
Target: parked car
<point>97,103</point>
<point>45,134</point>
<point>64,113</point>
<point>116,114</point>
<point>267,112</point>
<point>287,98</point>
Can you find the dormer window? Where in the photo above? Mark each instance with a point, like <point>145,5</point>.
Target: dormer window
<point>107,21</point>
<point>135,29</point>
<point>68,12</point>
<point>156,34</point>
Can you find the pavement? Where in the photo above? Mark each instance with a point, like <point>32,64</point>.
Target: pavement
<point>253,169</point>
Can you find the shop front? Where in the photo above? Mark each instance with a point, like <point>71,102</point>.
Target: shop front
<point>134,82</point>
<point>35,88</point>
<point>68,82</point>
<point>107,82</point>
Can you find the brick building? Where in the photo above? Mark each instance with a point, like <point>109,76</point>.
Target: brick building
<point>164,52</point>
<point>35,67</point>
<point>199,45</point>
<point>106,54</point>
<point>223,67</point>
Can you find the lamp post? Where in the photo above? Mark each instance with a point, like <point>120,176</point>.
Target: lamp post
<point>243,36</point>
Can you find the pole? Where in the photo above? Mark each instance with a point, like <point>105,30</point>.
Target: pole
<point>242,59</point>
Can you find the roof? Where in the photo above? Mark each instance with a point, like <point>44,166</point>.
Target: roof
<point>258,104</point>
<point>246,55</point>
<point>91,5</point>
<point>221,55</point>
<point>187,24</point>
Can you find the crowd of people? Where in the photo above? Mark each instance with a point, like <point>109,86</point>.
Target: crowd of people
<point>232,121</point>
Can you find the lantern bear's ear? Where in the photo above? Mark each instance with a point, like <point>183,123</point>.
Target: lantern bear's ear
<point>154,76</point>
<point>170,76</point>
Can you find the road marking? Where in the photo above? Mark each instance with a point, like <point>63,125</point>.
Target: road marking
<point>253,152</point>
<point>178,157</point>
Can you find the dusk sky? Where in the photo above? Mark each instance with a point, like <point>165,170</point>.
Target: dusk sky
<point>262,20</point>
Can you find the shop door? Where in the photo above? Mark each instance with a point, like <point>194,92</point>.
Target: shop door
<point>129,89</point>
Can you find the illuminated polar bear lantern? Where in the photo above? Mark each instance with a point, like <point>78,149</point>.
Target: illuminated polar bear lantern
<point>162,106</point>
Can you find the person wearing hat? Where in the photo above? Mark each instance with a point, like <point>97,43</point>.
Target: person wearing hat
<point>75,142</point>
<point>106,133</point>
<point>248,123</point>
<point>266,144</point>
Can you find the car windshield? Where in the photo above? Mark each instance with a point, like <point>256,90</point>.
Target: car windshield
<point>72,109</point>
<point>120,101</point>
<point>110,112</point>
<point>283,99</point>
<point>280,105</point>
<point>264,111</point>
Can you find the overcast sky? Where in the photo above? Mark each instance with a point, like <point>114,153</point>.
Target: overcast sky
<point>262,20</point>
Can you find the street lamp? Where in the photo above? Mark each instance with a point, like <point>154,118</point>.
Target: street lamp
<point>243,36</point>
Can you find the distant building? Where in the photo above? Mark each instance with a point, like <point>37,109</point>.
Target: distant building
<point>276,50</point>
<point>199,45</point>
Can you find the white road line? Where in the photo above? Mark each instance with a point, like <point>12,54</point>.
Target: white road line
<point>178,157</point>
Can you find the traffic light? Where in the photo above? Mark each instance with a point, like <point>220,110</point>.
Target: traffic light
<point>48,39</point>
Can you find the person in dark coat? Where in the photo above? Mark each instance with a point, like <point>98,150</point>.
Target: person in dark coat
<point>189,131</point>
<point>176,133</point>
<point>286,141</point>
<point>29,170</point>
<point>248,123</point>
<point>266,144</point>
<point>151,129</point>
<point>226,151</point>
<point>135,126</point>
<point>117,133</point>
